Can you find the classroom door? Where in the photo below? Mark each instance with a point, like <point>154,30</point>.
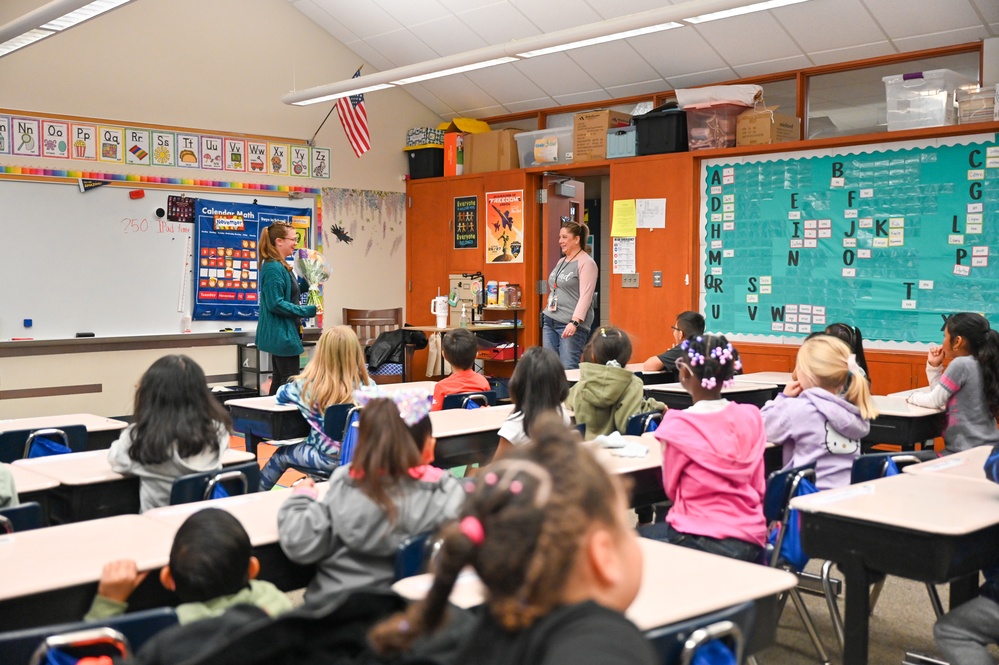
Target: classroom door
<point>563,203</point>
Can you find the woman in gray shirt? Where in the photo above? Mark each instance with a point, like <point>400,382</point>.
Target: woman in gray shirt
<point>568,314</point>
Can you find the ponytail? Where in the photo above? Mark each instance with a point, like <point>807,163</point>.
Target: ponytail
<point>858,393</point>
<point>267,249</point>
<point>827,362</point>
<point>988,360</point>
<point>385,453</point>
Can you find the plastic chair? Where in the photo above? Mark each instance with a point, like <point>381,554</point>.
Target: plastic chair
<point>679,643</point>
<point>461,400</point>
<point>18,646</point>
<point>13,444</point>
<point>350,433</point>
<point>414,554</point>
<point>871,467</point>
<point>335,420</point>
<point>640,423</point>
<point>237,479</point>
<point>24,517</point>
<point>782,486</point>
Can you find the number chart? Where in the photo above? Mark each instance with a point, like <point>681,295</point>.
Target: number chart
<point>891,238</point>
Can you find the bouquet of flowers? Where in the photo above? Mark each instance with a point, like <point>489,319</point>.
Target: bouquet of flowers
<point>315,269</point>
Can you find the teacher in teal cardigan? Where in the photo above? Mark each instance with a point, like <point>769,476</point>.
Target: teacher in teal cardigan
<point>278,330</point>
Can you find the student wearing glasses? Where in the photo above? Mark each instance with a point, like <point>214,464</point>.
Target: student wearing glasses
<point>278,330</point>
<point>688,326</point>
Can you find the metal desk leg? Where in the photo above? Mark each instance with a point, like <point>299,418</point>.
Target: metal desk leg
<point>858,609</point>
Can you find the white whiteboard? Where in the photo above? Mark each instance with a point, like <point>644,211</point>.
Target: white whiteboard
<point>97,262</point>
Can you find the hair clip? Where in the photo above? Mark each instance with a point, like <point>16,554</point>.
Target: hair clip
<point>612,363</point>
<point>737,365</point>
<point>473,530</point>
<point>491,478</point>
<point>413,404</point>
<point>853,367</point>
<point>509,471</point>
<point>516,487</point>
<point>709,383</point>
<point>685,344</point>
<point>469,486</point>
<point>603,332</point>
<point>728,383</point>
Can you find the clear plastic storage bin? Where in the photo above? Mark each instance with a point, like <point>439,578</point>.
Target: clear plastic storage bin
<point>922,99</point>
<point>545,146</point>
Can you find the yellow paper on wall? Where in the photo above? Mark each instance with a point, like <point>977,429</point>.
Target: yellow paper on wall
<point>624,219</point>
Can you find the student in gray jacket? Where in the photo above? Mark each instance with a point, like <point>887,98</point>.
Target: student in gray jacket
<point>388,493</point>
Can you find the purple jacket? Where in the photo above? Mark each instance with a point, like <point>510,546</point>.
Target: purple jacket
<point>817,426</point>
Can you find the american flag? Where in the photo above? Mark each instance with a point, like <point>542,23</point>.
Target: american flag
<point>354,119</point>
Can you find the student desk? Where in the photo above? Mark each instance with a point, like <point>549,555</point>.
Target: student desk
<point>262,418</point>
<point>645,472</point>
<point>101,431</point>
<point>675,397</point>
<point>33,486</point>
<point>88,489</point>
<point>902,424</point>
<point>467,436</point>
<point>967,465</point>
<point>925,527</point>
<point>257,513</point>
<point>677,584</point>
<point>50,575</point>
<point>781,379</point>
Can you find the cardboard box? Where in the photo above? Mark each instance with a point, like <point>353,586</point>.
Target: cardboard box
<point>455,133</point>
<point>590,133</point>
<point>491,151</point>
<point>764,126</point>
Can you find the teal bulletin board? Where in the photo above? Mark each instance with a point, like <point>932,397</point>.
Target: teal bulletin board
<point>891,238</point>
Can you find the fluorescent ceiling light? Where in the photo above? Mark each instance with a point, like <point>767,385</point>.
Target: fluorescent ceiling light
<point>83,13</point>
<point>600,40</point>
<point>455,70</point>
<point>23,40</point>
<point>739,11</point>
<point>345,93</point>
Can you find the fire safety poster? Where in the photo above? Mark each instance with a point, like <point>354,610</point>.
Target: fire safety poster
<point>226,257</point>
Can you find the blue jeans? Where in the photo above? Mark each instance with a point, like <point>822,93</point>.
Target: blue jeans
<point>733,548</point>
<point>307,459</point>
<point>569,349</point>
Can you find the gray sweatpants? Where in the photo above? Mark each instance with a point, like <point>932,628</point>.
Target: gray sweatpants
<point>964,633</point>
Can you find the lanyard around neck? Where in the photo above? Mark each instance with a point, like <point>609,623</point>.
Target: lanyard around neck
<point>565,261</point>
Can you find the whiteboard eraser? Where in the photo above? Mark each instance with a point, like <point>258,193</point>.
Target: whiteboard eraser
<point>137,194</point>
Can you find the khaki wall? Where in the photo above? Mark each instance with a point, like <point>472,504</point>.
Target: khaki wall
<point>217,66</point>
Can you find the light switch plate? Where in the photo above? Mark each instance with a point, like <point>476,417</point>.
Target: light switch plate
<point>629,280</point>
<point>657,278</point>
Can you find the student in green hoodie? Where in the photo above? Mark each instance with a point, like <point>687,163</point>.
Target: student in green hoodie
<point>607,394</point>
<point>211,569</point>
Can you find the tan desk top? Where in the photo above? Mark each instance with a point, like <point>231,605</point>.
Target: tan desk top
<point>781,378</point>
<point>92,467</point>
<point>967,464</point>
<point>572,375</point>
<point>739,387</point>
<point>269,403</point>
<point>26,480</point>
<point>893,405</point>
<point>931,503</point>
<point>677,584</point>
<point>625,465</point>
<point>257,512</point>
<point>93,423</point>
<point>62,556</point>
<point>457,422</point>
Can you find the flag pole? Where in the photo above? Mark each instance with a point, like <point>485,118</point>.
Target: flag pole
<point>311,142</point>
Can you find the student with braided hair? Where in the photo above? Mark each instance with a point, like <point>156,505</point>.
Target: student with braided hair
<point>712,459</point>
<point>544,529</point>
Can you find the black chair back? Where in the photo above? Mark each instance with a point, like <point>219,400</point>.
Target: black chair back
<point>24,517</point>
<point>12,443</point>
<point>236,479</point>
<point>677,644</point>
<point>461,400</point>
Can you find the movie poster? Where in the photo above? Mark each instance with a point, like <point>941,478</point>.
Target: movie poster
<point>505,226</point>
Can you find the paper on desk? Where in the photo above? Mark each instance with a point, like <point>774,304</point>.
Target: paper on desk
<point>632,449</point>
<point>612,440</point>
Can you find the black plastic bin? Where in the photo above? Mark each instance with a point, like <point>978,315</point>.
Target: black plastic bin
<point>663,129</point>
<point>426,163</point>
<point>235,392</point>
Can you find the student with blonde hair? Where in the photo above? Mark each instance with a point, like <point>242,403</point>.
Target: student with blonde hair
<point>331,377</point>
<point>823,413</point>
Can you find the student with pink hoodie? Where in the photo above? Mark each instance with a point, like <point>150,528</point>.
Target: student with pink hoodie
<point>712,459</point>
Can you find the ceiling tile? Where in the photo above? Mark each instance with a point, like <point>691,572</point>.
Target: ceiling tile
<point>369,54</point>
<point>583,97</point>
<point>677,52</point>
<point>989,9</point>
<point>461,94</point>
<point>747,39</point>
<point>412,12</point>
<point>401,47</point>
<point>554,16</point>
<point>325,21</point>
<point>505,84</point>
<point>457,6</point>
<point>900,18</point>
<point>852,53</point>
<point>428,99</point>
<point>700,78</point>
<point>614,63</point>
<point>959,36</point>
<point>642,88</point>
<point>556,74</point>
<point>530,105</point>
<point>614,8</point>
<point>448,36</point>
<point>364,19</point>
<point>771,66</point>
<point>844,23</point>
<point>498,23</point>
